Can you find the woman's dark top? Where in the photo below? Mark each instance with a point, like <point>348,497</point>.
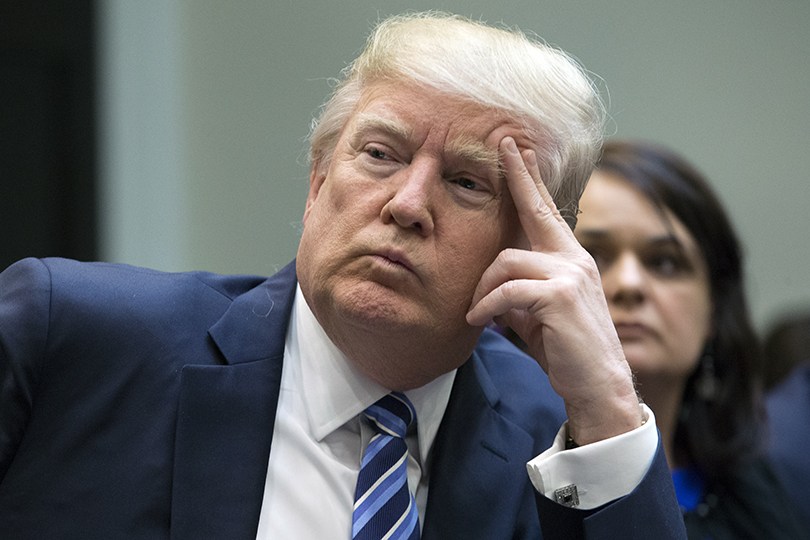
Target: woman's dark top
<point>750,504</point>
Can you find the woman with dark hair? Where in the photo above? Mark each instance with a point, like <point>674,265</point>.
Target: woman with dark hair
<point>671,268</point>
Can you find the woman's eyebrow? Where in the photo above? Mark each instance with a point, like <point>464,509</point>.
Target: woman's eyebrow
<point>593,233</point>
<point>667,240</point>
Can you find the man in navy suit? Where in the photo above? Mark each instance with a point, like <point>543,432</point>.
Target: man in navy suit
<point>139,404</point>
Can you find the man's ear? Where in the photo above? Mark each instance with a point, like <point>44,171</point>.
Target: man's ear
<point>317,176</point>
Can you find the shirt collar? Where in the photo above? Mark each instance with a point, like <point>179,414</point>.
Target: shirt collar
<point>335,392</point>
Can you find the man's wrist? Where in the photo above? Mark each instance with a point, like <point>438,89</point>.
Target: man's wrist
<point>578,435</point>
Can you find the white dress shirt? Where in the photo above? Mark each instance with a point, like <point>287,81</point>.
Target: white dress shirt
<point>318,440</point>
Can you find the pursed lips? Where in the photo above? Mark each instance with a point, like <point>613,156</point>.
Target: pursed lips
<point>396,257</point>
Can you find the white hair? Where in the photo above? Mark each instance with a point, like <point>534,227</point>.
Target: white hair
<point>537,84</point>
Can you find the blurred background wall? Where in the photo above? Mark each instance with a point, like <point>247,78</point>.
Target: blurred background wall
<point>203,107</point>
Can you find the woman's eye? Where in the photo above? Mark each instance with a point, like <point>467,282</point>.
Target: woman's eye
<point>664,265</point>
<point>667,265</point>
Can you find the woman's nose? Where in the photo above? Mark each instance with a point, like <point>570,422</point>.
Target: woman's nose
<point>625,281</point>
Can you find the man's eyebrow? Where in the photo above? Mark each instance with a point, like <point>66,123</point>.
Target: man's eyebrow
<point>472,150</point>
<point>368,122</point>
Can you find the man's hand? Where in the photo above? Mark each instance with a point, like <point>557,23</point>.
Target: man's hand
<point>551,295</point>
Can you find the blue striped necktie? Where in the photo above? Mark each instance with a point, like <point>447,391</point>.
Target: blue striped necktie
<point>384,507</point>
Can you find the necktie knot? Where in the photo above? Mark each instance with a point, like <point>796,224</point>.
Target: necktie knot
<point>392,414</point>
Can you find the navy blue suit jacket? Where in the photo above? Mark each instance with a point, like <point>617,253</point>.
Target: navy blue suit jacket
<point>140,404</point>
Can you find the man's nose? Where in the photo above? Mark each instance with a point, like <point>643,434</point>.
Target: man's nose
<point>411,203</point>
<point>625,281</point>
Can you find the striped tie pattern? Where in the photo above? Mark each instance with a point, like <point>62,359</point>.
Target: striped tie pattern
<point>384,507</point>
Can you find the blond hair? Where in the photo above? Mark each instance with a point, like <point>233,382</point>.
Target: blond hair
<point>539,85</point>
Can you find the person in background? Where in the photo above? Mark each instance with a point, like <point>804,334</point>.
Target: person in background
<point>787,353</point>
<point>785,346</point>
<point>356,393</point>
<point>672,273</point>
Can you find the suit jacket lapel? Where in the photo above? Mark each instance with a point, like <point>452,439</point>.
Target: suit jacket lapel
<point>476,452</point>
<point>226,415</point>
<point>225,424</point>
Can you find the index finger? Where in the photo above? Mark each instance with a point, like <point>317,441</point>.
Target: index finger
<point>539,217</point>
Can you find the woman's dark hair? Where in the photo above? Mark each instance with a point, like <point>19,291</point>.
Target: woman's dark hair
<point>718,433</point>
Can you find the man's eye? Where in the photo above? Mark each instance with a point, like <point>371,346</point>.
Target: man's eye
<point>376,153</point>
<point>466,183</point>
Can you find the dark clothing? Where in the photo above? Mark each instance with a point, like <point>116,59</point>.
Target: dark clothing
<point>788,408</point>
<point>752,505</point>
<point>140,404</point>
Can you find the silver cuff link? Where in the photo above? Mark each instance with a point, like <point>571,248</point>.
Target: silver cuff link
<point>567,496</point>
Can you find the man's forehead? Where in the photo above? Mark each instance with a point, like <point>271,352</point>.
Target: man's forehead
<point>461,145</point>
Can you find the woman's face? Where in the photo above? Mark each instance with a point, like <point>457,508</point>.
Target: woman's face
<point>653,274</point>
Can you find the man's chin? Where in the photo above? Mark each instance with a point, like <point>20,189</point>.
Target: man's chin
<point>371,304</point>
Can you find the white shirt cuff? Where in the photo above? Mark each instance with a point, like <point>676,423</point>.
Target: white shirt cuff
<point>602,471</point>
